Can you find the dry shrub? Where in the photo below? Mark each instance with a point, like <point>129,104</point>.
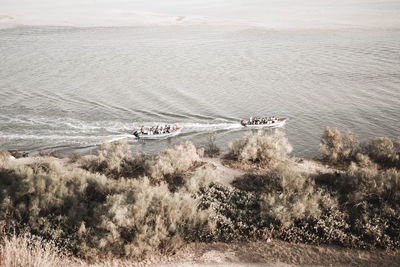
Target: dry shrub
<point>369,197</point>
<point>49,153</point>
<point>115,160</point>
<point>290,196</point>
<point>261,147</point>
<point>200,178</point>
<point>28,250</point>
<point>174,161</point>
<point>372,196</point>
<point>4,158</point>
<point>90,214</point>
<point>75,157</point>
<point>365,181</point>
<point>385,151</point>
<point>96,216</point>
<point>237,213</point>
<point>49,200</point>
<point>112,154</point>
<point>211,149</point>
<point>335,147</point>
<point>293,208</point>
<point>143,218</point>
<point>282,205</point>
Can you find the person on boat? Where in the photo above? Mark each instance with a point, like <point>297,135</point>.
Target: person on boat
<point>142,130</point>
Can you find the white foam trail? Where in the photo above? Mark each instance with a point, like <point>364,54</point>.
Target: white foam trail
<point>62,137</point>
<point>130,137</point>
<point>72,127</point>
<point>210,127</point>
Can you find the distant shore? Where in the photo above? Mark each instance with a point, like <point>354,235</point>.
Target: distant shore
<point>265,14</point>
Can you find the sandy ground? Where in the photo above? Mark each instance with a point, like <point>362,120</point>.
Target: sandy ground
<point>227,175</point>
<point>274,253</point>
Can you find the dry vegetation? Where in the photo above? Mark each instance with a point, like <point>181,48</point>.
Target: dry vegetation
<point>337,148</point>
<point>28,250</point>
<point>210,148</point>
<point>261,147</point>
<point>75,157</point>
<point>4,158</point>
<point>120,205</point>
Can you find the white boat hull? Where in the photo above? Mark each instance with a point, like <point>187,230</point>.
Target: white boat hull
<point>159,136</point>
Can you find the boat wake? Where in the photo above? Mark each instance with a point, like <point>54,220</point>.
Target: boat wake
<point>45,132</point>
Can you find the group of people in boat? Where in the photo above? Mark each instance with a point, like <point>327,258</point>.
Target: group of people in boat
<point>257,121</point>
<point>159,129</point>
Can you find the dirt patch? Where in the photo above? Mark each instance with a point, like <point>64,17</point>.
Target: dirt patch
<point>311,166</point>
<point>226,174</point>
<point>277,253</point>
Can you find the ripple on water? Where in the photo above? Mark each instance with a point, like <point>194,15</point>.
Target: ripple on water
<point>75,88</point>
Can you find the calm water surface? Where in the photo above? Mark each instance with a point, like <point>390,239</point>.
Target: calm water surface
<point>71,89</point>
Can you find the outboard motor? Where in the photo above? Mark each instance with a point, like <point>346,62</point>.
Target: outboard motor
<point>135,133</point>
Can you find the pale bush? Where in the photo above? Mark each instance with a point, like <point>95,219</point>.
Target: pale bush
<point>200,152</point>
<point>112,154</point>
<point>261,147</point>
<point>369,197</point>
<point>75,157</point>
<point>293,196</point>
<point>174,161</point>
<point>335,147</point>
<point>50,200</point>
<point>142,218</point>
<point>366,181</point>
<point>91,214</point>
<point>200,178</point>
<point>100,216</point>
<point>115,160</point>
<point>32,251</point>
<point>4,158</point>
<point>364,161</point>
<point>385,151</point>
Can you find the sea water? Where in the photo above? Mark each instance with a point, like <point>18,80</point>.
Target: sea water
<point>70,89</point>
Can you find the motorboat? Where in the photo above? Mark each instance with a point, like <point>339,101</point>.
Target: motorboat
<point>264,122</point>
<point>153,135</point>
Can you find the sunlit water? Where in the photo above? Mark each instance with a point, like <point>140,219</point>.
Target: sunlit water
<point>70,89</point>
